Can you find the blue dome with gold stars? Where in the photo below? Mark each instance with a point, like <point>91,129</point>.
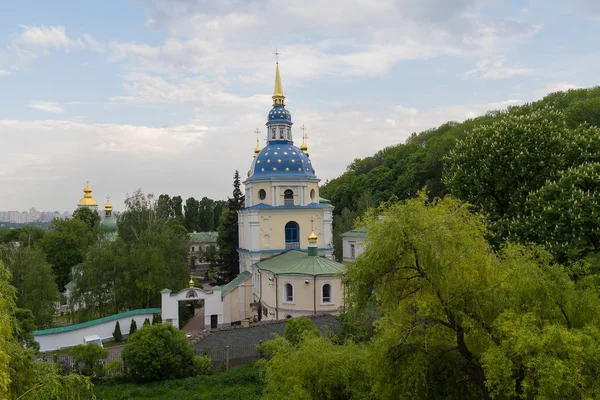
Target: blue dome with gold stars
<point>283,160</point>
<point>279,114</point>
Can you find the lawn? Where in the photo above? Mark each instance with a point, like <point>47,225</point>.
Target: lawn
<point>239,383</point>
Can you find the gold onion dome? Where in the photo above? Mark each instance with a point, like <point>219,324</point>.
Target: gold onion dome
<point>257,149</point>
<point>312,238</point>
<point>191,282</point>
<point>107,206</point>
<point>87,199</point>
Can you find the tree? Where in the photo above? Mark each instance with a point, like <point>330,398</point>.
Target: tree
<point>158,352</point>
<point>34,280</point>
<point>65,246</point>
<point>26,236</point>
<point>147,321</point>
<point>88,358</point>
<point>497,165</point>
<point>132,327</point>
<point>459,320</point>
<point>156,319</point>
<point>89,217</point>
<point>228,241</point>
<point>20,374</point>
<point>117,335</point>
<point>176,208</point>
<point>307,372</point>
<point>563,215</point>
<point>299,328</point>
<point>192,215</point>
<point>206,218</point>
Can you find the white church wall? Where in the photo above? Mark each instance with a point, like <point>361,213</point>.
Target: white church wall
<point>212,304</point>
<point>72,335</point>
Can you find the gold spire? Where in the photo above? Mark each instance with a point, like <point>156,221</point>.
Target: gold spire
<point>191,282</point>
<point>107,207</point>
<point>312,238</point>
<point>87,200</point>
<point>257,148</point>
<point>278,96</point>
<point>303,146</point>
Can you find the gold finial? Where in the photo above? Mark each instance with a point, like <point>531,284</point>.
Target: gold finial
<point>191,282</point>
<point>107,206</point>
<point>312,238</point>
<point>278,96</point>
<point>257,148</point>
<point>303,146</point>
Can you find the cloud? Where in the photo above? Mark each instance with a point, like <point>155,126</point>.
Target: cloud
<point>555,87</point>
<point>495,69</point>
<point>225,39</point>
<point>4,72</point>
<point>35,41</point>
<point>46,37</point>
<point>49,106</point>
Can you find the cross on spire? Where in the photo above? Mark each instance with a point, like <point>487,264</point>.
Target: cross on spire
<point>277,54</point>
<point>257,131</point>
<point>312,221</point>
<point>108,198</point>
<point>304,135</point>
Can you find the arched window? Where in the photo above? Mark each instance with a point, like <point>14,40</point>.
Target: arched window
<point>289,293</point>
<point>289,135</point>
<point>326,293</point>
<point>312,194</point>
<point>292,235</point>
<point>193,249</point>
<point>273,133</point>
<point>281,132</point>
<point>288,197</point>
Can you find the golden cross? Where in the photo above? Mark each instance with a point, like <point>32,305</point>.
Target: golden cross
<point>304,135</point>
<point>108,198</point>
<point>312,220</point>
<point>257,131</point>
<point>277,54</point>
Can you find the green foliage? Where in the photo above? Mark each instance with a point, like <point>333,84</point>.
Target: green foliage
<point>228,241</point>
<point>117,335</point>
<point>158,352</point>
<point>203,365</point>
<point>21,377</point>
<point>23,328</point>
<point>112,370</point>
<point>65,246</point>
<point>132,327</point>
<point>269,348</point>
<point>318,369</point>
<point>88,358</point>
<point>563,215</point>
<point>298,329</point>
<point>34,280</point>
<point>146,321</point>
<point>240,383</point>
<point>156,319</point>
<point>461,321</point>
<point>192,214</point>
<point>27,235</point>
<point>89,217</point>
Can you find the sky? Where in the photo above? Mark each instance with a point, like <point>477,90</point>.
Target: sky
<point>166,95</point>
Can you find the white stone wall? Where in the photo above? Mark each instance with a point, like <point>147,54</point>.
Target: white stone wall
<point>60,340</point>
<point>359,247</point>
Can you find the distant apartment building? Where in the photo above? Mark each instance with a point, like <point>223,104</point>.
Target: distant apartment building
<point>33,215</point>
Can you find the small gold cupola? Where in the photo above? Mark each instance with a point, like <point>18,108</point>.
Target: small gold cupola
<point>303,146</point>
<point>191,282</point>
<point>257,149</point>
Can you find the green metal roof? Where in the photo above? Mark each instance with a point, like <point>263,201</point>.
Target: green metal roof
<point>359,232</point>
<point>226,289</point>
<point>98,321</point>
<point>323,200</point>
<point>296,262</point>
<point>204,237</point>
<point>70,286</point>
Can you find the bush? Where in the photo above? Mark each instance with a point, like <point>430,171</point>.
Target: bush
<point>298,328</point>
<point>132,327</point>
<point>158,352</point>
<point>88,358</point>
<point>203,365</point>
<point>112,370</point>
<point>146,321</point>
<point>156,319</point>
<point>117,335</point>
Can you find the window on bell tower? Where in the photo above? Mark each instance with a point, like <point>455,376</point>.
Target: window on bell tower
<point>281,132</point>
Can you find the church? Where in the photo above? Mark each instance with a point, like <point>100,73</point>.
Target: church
<point>286,266</point>
<point>285,232</point>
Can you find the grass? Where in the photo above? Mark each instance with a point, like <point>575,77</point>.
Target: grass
<point>239,383</point>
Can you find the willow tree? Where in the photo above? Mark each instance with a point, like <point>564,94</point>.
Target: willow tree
<point>459,320</point>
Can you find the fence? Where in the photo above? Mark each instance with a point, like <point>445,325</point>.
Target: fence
<point>229,356</point>
<point>222,357</point>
